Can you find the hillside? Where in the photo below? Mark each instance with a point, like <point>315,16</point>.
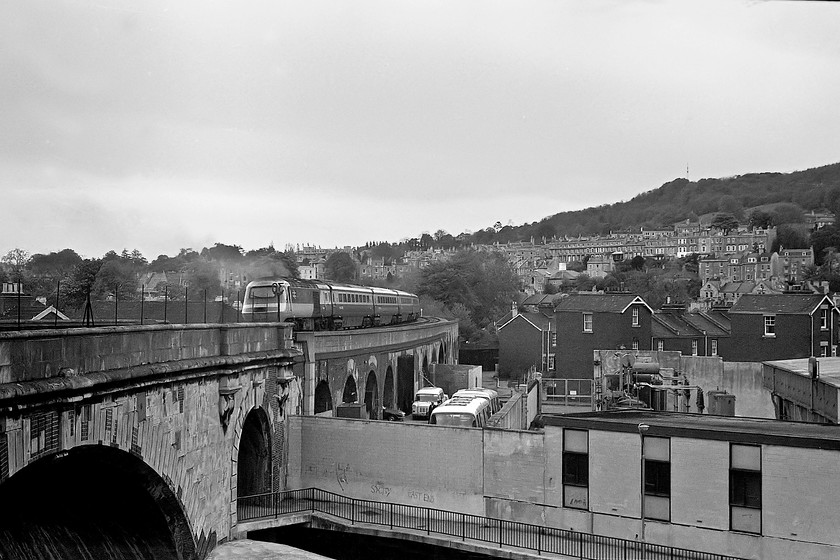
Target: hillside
<point>680,199</point>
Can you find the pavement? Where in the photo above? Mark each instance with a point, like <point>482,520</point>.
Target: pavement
<point>246,549</point>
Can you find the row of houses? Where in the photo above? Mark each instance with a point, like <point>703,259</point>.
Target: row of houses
<point>558,334</point>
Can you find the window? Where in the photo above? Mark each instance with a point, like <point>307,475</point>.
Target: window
<point>824,318</point>
<point>769,325</point>
<point>587,322</point>
<point>554,339</point>
<point>660,345</point>
<point>694,347</point>
<point>551,362</point>
<point>745,488</point>
<point>635,316</point>
<point>576,469</point>
<point>657,457</point>
<point>714,347</point>
<point>635,343</point>
<point>823,348</point>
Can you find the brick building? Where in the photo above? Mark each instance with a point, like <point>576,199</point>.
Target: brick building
<point>588,322</point>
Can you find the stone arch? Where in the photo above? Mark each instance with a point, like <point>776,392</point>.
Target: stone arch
<point>323,397</point>
<point>388,394</point>
<point>372,403</point>
<point>350,393</point>
<point>253,465</point>
<point>79,487</point>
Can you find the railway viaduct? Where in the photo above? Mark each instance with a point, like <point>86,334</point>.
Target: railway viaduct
<point>143,431</point>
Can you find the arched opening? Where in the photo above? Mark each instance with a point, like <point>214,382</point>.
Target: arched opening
<point>425,372</point>
<point>349,395</point>
<point>97,499</point>
<point>253,464</point>
<point>441,354</point>
<point>323,398</point>
<point>372,403</point>
<point>388,390</point>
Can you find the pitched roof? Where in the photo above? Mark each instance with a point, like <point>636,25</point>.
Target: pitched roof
<point>737,287</point>
<point>603,303</point>
<point>537,320</point>
<point>668,325</point>
<point>780,303</point>
<point>712,326</point>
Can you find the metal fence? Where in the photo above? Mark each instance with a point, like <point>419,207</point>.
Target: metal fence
<point>497,532</point>
<point>572,393</point>
<point>19,311</point>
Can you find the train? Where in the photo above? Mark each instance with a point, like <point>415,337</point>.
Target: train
<point>315,305</point>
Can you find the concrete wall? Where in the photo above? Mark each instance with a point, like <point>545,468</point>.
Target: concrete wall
<point>452,377</point>
<point>407,463</point>
<point>517,475</point>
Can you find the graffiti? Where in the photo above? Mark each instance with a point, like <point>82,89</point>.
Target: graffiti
<point>421,497</point>
<point>578,503</point>
<point>341,474</point>
<point>380,489</point>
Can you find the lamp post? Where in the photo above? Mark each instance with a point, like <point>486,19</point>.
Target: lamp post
<point>643,428</point>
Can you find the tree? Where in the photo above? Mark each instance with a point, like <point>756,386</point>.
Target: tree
<point>725,222</point>
<point>823,239</point>
<point>16,260</point>
<point>790,236</point>
<point>60,264</point>
<point>787,213</point>
<point>222,252</point>
<point>426,241</point>
<point>340,267</point>
<point>760,219</point>
<point>80,284</point>
<point>637,262</point>
<point>117,277</point>
<point>201,276</point>
<point>482,283</point>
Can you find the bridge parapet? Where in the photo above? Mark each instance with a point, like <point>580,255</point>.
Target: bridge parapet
<point>28,356</point>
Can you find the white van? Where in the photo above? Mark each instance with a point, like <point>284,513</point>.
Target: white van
<point>426,400</point>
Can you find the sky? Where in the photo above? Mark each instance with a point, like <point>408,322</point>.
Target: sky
<point>160,125</point>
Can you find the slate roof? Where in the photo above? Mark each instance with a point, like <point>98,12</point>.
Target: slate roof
<point>737,287</point>
<point>692,325</point>
<point>794,304</point>
<point>667,325</point>
<point>599,303</point>
<point>713,325</point>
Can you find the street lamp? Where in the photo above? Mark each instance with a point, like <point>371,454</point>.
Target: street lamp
<point>643,428</point>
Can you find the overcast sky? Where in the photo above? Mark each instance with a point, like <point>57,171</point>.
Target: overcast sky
<point>161,125</point>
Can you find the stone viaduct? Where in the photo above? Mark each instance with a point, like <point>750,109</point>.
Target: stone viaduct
<point>140,431</point>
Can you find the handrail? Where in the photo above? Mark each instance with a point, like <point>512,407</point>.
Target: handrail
<point>463,526</point>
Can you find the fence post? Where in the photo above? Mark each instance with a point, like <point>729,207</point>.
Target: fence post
<point>392,516</point>
<point>463,526</point>
<point>428,522</point>
<point>501,524</point>
<point>539,541</point>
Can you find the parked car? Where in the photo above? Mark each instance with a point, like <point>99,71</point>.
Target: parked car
<point>393,414</point>
<point>426,400</point>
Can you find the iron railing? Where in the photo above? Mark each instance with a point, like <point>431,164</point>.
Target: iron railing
<point>463,526</point>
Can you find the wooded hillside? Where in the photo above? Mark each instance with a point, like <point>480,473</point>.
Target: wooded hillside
<point>680,199</point>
